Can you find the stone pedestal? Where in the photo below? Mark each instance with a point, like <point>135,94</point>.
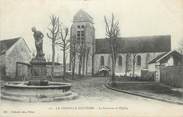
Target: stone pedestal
<point>38,69</point>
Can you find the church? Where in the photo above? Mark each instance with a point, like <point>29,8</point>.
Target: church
<point>89,54</point>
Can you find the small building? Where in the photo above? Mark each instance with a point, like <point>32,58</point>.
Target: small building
<point>13,51</point>
<point>171,58</point>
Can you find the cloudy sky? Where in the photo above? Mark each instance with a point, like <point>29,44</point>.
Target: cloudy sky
<point>136,17</point>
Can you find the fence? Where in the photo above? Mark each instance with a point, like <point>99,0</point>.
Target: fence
<point>58,70</point>
<point>172,75</point>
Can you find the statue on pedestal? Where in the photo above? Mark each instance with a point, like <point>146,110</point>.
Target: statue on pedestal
<point>38,64</point>
<point>38,36</point>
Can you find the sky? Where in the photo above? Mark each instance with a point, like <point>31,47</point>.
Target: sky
<point>136,18</point>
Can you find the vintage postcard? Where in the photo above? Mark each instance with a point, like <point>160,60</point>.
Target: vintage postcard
<point>91,58</point>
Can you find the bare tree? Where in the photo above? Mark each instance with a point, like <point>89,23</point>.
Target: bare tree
<point>73,54</point>
<point>80,54</point>
<point>112,33</point>
<point>180,49</point>
<point>87,56</point>
<point>134,61</point>
<point>128,60</point>
<point>53,34</point>
<point>63,42</point>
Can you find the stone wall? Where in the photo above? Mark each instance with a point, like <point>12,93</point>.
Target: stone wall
<point>172,75</point>
<point>58,70</point>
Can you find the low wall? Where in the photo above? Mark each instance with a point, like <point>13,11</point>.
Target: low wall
<point>58,70</point>
<point>172,75</point>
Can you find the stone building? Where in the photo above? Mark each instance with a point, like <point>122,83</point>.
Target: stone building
<point>134,52</point>
<point>13,51</point>
<point>83,36</point>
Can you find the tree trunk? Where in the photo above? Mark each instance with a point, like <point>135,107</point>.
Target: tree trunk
<point>80,62</point>
<point>83,64</point>
<point>133,65</point>
<point>92,64</point>
<point>113,67</point>
<point>64,63</point>
<point>73,67</point>
<point>87,61</point>
<point>53,59</point>
<point>127,62</point>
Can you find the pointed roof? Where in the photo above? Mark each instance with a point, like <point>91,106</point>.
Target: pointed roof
<point>163,57</point>
<point>82,16</point>
<point>6,44</point>
<point>157,58</point>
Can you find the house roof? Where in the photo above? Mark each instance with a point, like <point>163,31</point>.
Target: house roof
<point>82,16</point>
<point>141,44</point>
<point>164,56</point>
<point>6,44</point>
<point>158,57</point>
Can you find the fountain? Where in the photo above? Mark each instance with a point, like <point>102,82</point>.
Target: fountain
<point>38,89</point>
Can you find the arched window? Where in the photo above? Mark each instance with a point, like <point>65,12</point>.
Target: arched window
<point>138,60</point>
<point>120,60</point>
<point>102,60</point>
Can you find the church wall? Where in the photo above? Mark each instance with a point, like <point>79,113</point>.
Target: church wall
<point>97,63</point>
<point>120,69</point>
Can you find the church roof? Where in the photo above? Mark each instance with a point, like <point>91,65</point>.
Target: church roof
<point>141,44</point>
<point>6,44</point>
<point>82,16</point>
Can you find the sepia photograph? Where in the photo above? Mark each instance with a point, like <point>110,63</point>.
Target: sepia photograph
<point>91,58</point>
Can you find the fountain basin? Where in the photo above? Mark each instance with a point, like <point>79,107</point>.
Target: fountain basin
<point>23,91</point>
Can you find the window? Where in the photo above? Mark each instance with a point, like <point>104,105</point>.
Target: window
<point>78,26</point>
<point>82,33</point>
<point>80,36</point>
<point>120,60</point>
<point>138,60</point>
<point>82,26</point>
<point>78,33</point>
<point>102,60</point>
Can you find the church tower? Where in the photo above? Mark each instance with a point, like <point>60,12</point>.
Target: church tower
<point>82,44</point>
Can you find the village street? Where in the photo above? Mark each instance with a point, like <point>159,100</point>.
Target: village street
<point>94,96</point>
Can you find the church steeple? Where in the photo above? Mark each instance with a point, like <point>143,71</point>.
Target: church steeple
<point>84,32</point>
<point>82,16</point>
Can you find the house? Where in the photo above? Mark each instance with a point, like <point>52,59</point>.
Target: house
<point>96,52</point>
<point>171,58</point>
<point>13,51</point>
